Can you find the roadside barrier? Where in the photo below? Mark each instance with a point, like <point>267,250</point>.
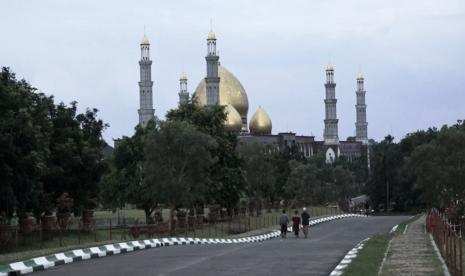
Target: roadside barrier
<point>447,236</point>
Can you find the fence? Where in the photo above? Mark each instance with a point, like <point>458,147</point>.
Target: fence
<point>447,235</point>
<point>105,230</point>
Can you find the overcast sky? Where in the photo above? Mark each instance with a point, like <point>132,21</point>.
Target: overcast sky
<point>412,54</point>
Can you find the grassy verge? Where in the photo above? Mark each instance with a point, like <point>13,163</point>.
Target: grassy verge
<point>403,225</point>
<point>369,259</point>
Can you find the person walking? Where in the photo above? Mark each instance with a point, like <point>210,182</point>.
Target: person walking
<point>296,223</point>
<point>305,221</point>
<point>283,221</point>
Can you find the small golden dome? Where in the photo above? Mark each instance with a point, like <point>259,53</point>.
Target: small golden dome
<point>329,67</point>
<point>211,35</point>
<point>233,121</point>
<point>360,76</point>
<point>260,124</point>
<point>231,92</point>
<point>145,41</point>
<point>183,76</point>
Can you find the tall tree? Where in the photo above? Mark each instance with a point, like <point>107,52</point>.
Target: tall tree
<point>302,184</point>
<point>123,183</point>
<point>175,170</point>
<point>24,138</point>
<point>259,173</point>
<point>439,168</point>
<point>227,180</point>
<point>76,162</point>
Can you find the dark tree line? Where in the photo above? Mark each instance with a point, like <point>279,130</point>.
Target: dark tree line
<point>425,169</point>
<point>46,149</point>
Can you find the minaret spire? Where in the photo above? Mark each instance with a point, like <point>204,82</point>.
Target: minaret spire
<point>331,129</point>
<point>183,93</point>
<point>361,125</point>
<point>146,111</point>
<point>212,79</point>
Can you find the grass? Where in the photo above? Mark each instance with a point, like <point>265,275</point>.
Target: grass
<point>33,246</point>
<point>402,225</point>
<point>370,257</point>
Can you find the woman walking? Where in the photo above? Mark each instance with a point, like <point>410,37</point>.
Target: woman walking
<point>296,223</point>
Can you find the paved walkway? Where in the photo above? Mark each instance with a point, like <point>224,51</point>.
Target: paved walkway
<point>412,253</point>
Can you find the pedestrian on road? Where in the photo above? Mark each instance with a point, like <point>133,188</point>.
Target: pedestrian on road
<point>296,223</point>
<point>283,221</point>
<point>305,221</point>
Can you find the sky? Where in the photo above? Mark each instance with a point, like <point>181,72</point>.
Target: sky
<point>412,54</point>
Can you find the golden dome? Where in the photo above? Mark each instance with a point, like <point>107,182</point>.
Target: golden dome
<point>231,92</point>
<point>183,76</point>
<point>329,67</point>
<point>145,41</point>
<point>359,76</point>
<point>233,119</point>
<point>211,35</point>
<point>260,123</point>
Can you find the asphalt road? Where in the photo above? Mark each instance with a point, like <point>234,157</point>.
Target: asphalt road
<point>318,255</point>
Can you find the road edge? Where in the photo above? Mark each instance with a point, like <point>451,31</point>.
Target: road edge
<point>45,262</point>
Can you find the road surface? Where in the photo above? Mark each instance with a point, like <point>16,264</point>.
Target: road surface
<point>318,255</point>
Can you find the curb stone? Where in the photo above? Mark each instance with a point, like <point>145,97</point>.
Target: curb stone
<point>45,262</point>
<point>339,269</point>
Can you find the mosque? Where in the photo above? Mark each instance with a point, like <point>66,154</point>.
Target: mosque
<point>221,87</point>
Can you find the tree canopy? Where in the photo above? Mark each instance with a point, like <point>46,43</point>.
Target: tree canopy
<point>45,149</point>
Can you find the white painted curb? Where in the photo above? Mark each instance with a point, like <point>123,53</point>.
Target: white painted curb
<point>339,269</point>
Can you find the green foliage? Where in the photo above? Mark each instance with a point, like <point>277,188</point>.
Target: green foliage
<point>227,182</point>
<point>439,170</point>
<point>45,149</point>
<point>303,184</point>
<point>122,184</point>
<point>75,164</point>
<point>259,173</point>
<point>425,169</point>
<point>309,184</point>
<point>163,163</point>
<point>176,165</point>
<point>24,128</point>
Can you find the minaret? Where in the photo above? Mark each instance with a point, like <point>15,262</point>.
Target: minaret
<point>146,111</point>
<point>183,93</point>
<point>330,132</point>
<point>212,80</point>
<point>361,124</point>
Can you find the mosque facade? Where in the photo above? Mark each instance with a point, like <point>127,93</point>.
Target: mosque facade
<point>221,87</point>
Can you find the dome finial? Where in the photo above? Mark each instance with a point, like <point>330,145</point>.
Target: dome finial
<point>359,75</point>
<point>145,40</point>
<point>211,34</point>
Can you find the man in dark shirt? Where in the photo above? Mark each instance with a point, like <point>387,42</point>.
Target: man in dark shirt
<point>283,221</point>
<point>305,221</point>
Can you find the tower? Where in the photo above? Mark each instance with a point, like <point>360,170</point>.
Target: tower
<point>183,93</point>
<point>331,131</point>
<point>361,125</point>
<point>146,111</point>
<point>212,79</point>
